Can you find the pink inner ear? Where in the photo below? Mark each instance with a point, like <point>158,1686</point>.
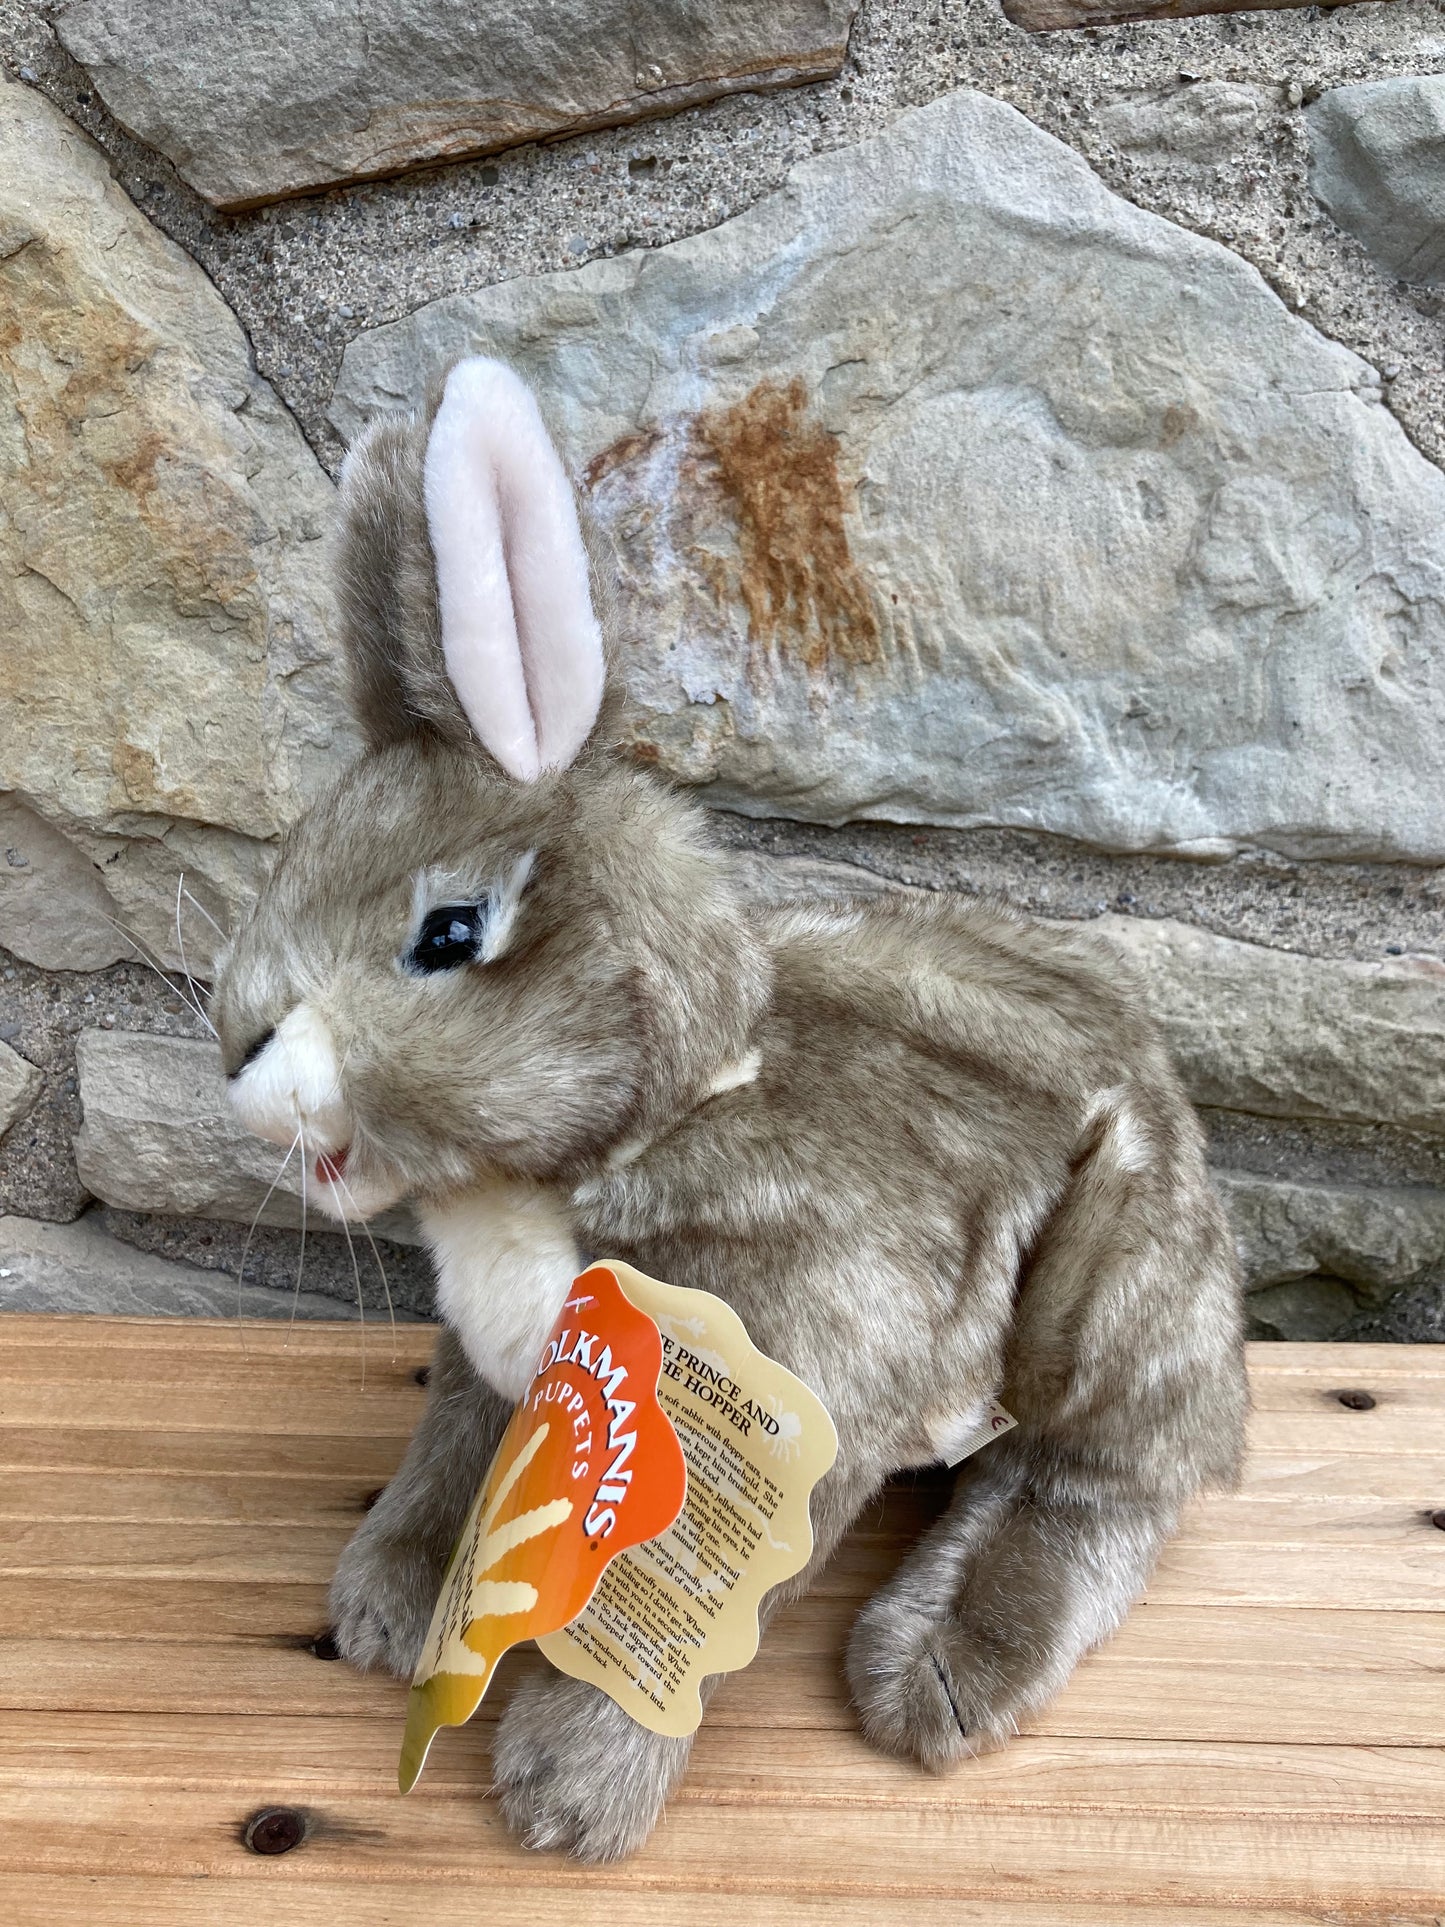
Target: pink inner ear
<point>522,646</point>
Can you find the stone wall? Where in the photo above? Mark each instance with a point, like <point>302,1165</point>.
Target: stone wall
<point>1022,455</point>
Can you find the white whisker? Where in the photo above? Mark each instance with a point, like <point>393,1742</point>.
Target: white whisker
<point>301,1261</point>
<point>360,1302</point>
<point>335,1090</point>
<point>197,905</point>
<point>166,978</point>
<point>245,1248</point>
<point>385,1282</point>
<point>185,967</point>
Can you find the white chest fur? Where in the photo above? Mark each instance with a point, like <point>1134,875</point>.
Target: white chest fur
<point>505,1258</point>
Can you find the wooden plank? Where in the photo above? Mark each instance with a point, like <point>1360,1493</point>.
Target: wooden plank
<point>162,1600</point>
<point>64,1331</point>
<point>1331,1429</point>
<point>757,1850</point>
<point>1260,1742</point>
<point>1297,1391</point>
<point>385,1409</point>
<point>1279,1492</point>
<point>59,1522</point>
<point>282,1895</point>
<point>202,1610</point>
<point>135,1449</point>
<point>155,1572</point>
<point>1417,1481</point>
<point>227,1370</point>
<point>1052,1774</point>
<point>1254,1518</point>
<point>1385,1578</point>
<point>1226,1677</point>
<point>391,1408</point>
<point>1346,1364</point>
<point>114,1548</point>
<point>252,1499</point>
<point>69,1675</point>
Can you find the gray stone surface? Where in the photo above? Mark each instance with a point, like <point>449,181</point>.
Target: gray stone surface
<point>1199,126</point>
<point>78,1268</point>
<point>41,1015</point>
<point>377,1271</point>
<point>1378,153</point>
<point>277,97</point>
<point>1410,1318</point>
<point>948,487</point>
<point>1306,1310</point>
<point>172,694</point>
<point>1374,1239</point>
<point>1324,1151</point>
<point>159,1135</point>
<point>1279,1035</point>
<point>54,907</point>
<point>1360,910</point>
<point>307,277</point>
<point>20,1084</point>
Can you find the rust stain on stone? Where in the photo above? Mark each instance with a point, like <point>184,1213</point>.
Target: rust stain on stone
<point>136,769</point>
<point>629,448</point>
<point>135,471</point>
<point>1178,420</point>
<point>779,474</point>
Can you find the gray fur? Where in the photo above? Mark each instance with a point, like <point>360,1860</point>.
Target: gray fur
<point>966,1168</point>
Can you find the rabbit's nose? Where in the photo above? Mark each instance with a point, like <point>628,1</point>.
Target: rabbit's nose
<point>252,1053</point>
<point>293,1083</point>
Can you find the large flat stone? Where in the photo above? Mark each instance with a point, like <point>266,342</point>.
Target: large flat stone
<point>78,1268</point>
<point>19,1087</point>
<point>1281,1035</point>
<point>172,695</point>
<point>283,96</point>
<point>55,910</point>
<point>1375,1238</point>
<point>1306,1310</point>
<point>159,1135</point>
<point>1377,161</point>
<point>947,486</point>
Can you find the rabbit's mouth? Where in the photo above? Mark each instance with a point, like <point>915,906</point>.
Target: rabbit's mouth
<point>331,1166</point>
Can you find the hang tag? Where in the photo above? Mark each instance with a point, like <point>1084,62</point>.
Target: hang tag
<point>685,1604</point>
<point>650,1488</point>
<point>588,1464</point>
<point>994,1421</point>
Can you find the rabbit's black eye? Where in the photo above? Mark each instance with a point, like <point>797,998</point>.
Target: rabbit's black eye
<point>449,937</point>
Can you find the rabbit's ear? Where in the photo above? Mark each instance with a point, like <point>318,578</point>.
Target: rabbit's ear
<point>521,641</point>
<point>384,586</point>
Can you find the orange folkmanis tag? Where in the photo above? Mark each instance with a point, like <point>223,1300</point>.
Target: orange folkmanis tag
<point>588,1466</point>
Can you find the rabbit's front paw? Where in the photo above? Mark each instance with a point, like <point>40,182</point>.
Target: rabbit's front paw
<point>381,1601</point>
<point>573,1771</point>
<point>931,1690</point>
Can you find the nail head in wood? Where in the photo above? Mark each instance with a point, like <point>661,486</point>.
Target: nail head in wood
<point>1356,1401</point>
<point>274,1830</point>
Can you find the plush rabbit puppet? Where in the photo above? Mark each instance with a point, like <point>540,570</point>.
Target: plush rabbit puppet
<point>930,1152</point>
